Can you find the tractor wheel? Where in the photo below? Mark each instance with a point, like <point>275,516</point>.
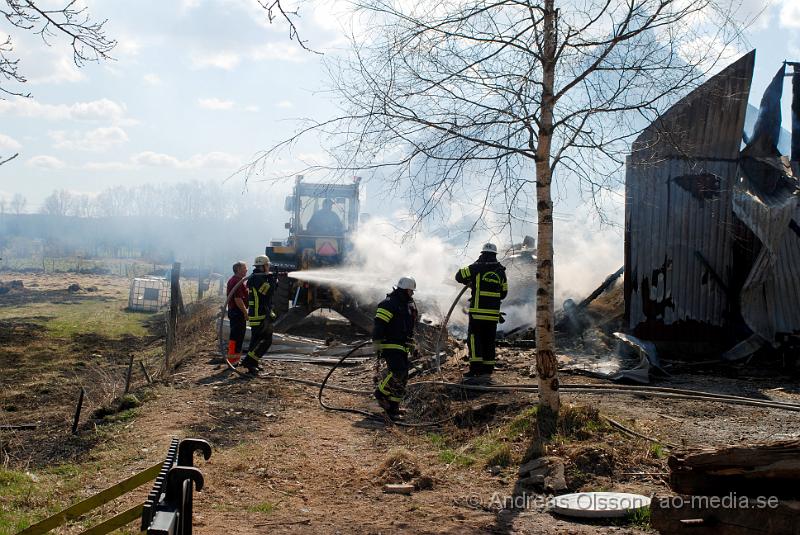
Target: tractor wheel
<point>280,303</point>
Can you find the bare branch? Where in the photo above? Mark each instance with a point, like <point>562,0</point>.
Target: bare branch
<point>275,10</point>
<point>87,37</point>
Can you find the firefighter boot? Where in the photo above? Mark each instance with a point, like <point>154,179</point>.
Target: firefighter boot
<point>251,364</point>
<point>392,408</point>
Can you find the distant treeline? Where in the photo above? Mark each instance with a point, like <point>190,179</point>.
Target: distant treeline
<point>204,224</point>
<point>184,200</point>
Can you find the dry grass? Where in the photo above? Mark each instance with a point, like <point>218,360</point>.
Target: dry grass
<point>596,456</point>
<point>196,330</point>
<point>400,466</point>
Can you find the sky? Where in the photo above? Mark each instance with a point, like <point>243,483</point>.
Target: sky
<point>197,88</point>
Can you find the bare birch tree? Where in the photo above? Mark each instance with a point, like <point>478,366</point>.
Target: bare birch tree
<point>494,99</point>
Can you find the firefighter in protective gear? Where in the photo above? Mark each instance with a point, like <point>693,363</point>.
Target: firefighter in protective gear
<point>487,280</point>
<point>261,287</point>
<point>393,336</point>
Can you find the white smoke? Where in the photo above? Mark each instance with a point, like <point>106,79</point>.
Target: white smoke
<point>382,253</point>
<point>586,251</point>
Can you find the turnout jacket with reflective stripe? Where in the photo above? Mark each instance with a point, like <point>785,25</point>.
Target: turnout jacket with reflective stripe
<point>261,286</point>
<point>487,280</point>
<point>395,319</point>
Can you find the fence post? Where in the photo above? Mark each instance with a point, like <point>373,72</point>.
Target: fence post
<point>77,418</point>
<point>199,284</point>
<point>175,308</point>
<point>128,376</point>
<point>146,373</point>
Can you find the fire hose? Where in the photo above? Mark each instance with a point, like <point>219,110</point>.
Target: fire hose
<point>443,330</point>
<point>324,382</point>
<point>634,390</point>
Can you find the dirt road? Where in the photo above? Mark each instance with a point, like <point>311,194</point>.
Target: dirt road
<point>281,464</point>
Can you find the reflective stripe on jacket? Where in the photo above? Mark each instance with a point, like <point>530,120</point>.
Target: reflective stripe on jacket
<point>395,319</point>
<point>487,280</point>
<point>261,288</point>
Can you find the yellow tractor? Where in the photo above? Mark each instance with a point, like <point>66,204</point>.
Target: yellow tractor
<point>323,219</point>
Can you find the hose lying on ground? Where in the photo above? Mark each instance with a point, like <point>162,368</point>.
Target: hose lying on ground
<point>637,390</point>
<point>652,391</point>
<point>368,414</point>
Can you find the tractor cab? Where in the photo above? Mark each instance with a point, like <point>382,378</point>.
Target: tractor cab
<point>322,217</point>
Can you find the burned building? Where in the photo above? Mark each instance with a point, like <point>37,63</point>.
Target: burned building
<point>712,229</point>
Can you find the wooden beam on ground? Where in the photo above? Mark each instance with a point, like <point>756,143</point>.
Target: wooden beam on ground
<point>400,488</point>
<point>759,470</point>
<point>723,515</point>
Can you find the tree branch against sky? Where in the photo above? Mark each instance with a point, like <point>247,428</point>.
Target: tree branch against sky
<point>277,9</point>
<point>489,101</point>
<point>72,21</point>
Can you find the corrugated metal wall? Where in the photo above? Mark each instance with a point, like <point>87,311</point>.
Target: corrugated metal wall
<point>678,217</point>
<point>771,295</point>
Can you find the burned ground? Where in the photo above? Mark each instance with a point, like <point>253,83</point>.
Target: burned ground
<point>282,464</point>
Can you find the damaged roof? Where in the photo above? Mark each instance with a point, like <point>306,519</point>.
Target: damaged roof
<point>712,232</point>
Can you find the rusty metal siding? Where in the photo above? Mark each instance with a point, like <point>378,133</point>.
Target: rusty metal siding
<point>679,182</point>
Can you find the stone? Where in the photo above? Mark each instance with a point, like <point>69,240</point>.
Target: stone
<point>531,482</point>
<point>555,480</point>
<point>537,463</point>
<point>546,473</point>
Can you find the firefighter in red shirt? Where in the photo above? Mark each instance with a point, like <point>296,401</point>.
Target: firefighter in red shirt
<point>237,311</point>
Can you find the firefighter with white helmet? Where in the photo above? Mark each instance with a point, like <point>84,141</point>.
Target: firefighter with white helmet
<point>486,277</point>
<point>393,337</point>
<point>261,286</point>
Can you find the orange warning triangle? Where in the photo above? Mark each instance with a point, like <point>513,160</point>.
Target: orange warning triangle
<point>327,249</point>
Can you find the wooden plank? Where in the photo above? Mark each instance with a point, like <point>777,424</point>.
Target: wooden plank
<point>762,469</point>
<point>402,488</point>
<point>116,522</point>
<point>699,515</point>
<point>102,497</point>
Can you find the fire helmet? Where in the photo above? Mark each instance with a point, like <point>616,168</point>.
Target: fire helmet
<point>261,260</point>
<point>407,283</point>
<point>489,247</point>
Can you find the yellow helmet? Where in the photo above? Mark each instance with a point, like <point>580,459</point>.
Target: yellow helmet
<point>261,260</point>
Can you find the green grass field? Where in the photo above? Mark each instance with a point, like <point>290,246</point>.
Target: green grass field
<point>64,320</point>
